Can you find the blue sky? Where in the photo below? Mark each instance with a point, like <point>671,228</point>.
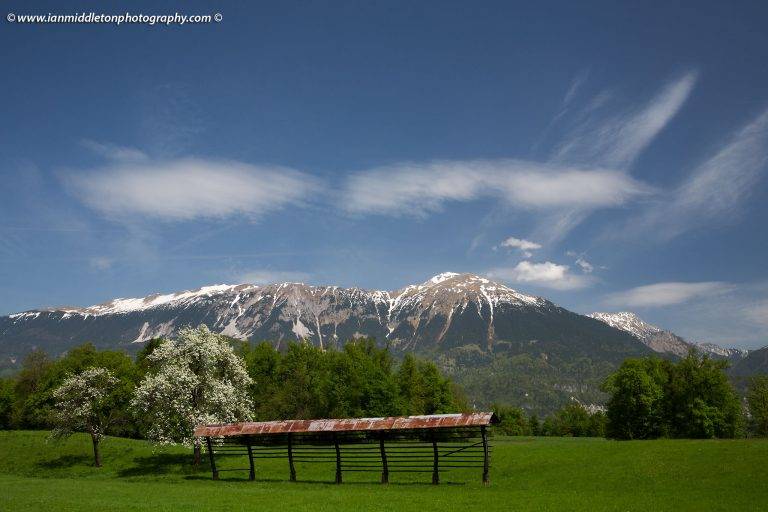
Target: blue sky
<point>605,156</point>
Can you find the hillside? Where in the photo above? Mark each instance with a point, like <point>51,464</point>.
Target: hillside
<point>755,363</point>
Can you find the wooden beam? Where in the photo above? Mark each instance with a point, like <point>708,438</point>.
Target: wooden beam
<point>338,458</point>
<point>252,470</point>
<point>290,458</point>
<point>210,457</point>
<point>384,466</point>
<point>486,478</point>
<point>435,464</point>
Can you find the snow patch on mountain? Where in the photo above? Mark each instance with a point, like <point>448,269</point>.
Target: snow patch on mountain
<point>726,352</point>
<point>629,322</point>
<point>661,340</point>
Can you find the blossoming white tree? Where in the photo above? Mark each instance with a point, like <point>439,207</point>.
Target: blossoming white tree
<point>197,379</point>
<point>83,404</point>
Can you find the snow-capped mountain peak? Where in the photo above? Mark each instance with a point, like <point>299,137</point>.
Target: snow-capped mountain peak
<point>439,310</point>
<point>629,322</point>
<point>320,313</point>
<point>439,278</point>
<point>661,340</point>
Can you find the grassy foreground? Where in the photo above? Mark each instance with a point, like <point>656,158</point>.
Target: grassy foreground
<point>526,474</point>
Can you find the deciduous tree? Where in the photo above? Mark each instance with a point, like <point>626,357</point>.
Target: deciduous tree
<point>84,404</point>
<point>194,379</point>
<point>635,408</point>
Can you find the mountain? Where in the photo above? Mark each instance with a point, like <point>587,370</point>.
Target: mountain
<point>449,310</point>
<point>501,344</point>
<point>663,341</point>
<point>755,363</point>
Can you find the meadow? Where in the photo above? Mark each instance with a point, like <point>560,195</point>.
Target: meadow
<point>527,474</point>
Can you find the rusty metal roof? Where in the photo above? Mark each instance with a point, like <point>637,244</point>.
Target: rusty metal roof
<point>473,419</point>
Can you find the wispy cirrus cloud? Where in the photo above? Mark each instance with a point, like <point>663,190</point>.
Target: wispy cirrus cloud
<point>114,152</point>
<point>588,171</point>
<point>417,189</point>
<point>616,140</point>
<point>715,191</point>
<point>545,275</point>
<point>666,294</point>
<point>570,94</point>
<point>576,84</point>
<point>190,188</point>
<point>757,313</point>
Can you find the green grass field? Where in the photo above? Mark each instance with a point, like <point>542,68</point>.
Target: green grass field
<point>526,474</point>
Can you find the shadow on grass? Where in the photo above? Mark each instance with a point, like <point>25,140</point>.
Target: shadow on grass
<point>162,464</point>
<point>165,464</point>
<point>66,461</point>
<point>329,483</point>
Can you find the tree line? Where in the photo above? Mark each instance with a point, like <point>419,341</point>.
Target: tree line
<point>202,377</point>
<point>692,398</point>
<point>172,385</point>
<point>649,398</point>
<point>572,420</point>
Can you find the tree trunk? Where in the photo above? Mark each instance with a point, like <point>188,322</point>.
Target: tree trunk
<point>196,462</point>
<point>96,452</point>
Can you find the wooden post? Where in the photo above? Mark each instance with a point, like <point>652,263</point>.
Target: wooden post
<point>435,466</point>
<point>252,472</point>
<point>384,466</point>
<point>338,458</point>
<point>210,456</point>
<point>290,458</point>
<point>486,478</point>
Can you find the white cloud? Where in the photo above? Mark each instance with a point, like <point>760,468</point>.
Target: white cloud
<point>418,189</point>
<point>716,189</point>
<point>589,171</point>
<point>264,276</point>
<point>667,294</point>
<point>525,246</point>
<point>616,141</point>
<point>546,274</point>
<point>186,189</point>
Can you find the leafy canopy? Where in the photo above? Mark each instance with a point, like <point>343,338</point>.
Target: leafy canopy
<point>195,379</point>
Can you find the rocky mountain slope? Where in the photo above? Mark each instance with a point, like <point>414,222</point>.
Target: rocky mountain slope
<point>446,311</point>
<point>754,363</point>
<point>663,341</point>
